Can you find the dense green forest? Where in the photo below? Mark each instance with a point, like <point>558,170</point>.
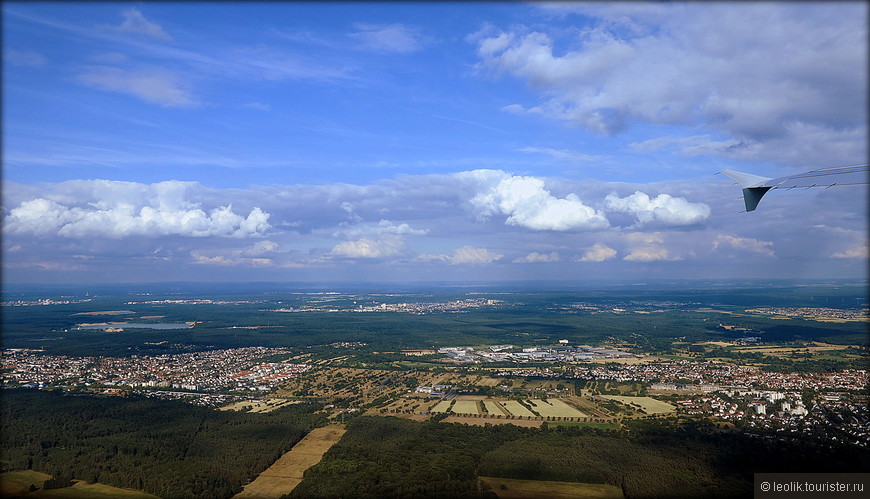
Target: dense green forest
<point>168,448</point>
<point>389,457</point>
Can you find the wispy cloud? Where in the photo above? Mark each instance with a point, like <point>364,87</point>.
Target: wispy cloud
<point>389,38</point>
<point>24,58</point>
<point>135,23</point>
<point>154,86</point>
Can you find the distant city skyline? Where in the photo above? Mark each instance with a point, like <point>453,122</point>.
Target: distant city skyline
<point>400,142</point>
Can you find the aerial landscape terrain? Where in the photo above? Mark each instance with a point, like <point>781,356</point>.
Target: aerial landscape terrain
<point>446,390</point>
<point>504,250</point>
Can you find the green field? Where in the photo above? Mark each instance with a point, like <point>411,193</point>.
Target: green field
<point>508,488</point>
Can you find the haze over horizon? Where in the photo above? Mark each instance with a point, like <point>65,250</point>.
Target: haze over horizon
<point>400,142</point>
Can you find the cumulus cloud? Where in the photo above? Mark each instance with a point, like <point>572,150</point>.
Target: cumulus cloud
<point>134,22</point>
<point>648,248</point>
<point>598,253</point>
<point>154,86</point>
<point>527,203</point>
<point>744,243</point>
<point>737,70</point>
<point>394,38</point>
<point>535,257</point>
<point>128,209</point>
<point>663,209</point>
<point>468,254</point>
<point>367,248</point>
<point>857,252</point>
<point>261,248</point>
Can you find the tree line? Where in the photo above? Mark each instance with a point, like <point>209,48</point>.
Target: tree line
<point>168,448</point>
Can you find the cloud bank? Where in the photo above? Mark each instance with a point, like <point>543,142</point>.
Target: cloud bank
<point>125,209</point>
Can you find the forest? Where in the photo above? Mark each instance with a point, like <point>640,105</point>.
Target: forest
<point>168,448</point>
<point>390,457</point>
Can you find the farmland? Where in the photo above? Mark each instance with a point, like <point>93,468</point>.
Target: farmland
<point>648,405</point>
<point>530,408</point>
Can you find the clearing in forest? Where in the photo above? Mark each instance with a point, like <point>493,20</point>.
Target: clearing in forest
<point>286,473</point>
<point>509,488</point>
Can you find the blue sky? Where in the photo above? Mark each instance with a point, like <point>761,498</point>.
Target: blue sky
<point>428,141</point>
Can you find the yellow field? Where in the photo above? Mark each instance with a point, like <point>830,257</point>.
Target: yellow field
<point>17,484</point>
<point>465,407</point>
<point>556,408</point>
<point>441,406</point>
<point>648,404</point>
<point>508,488</point>
<point>516,408</point>
<point>494,408</point>
<point>286,473</point>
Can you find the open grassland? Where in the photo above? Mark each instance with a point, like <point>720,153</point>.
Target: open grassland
<point>508,488</point>
<point>493,408</point>
<point>556,408</point>
<point>442,406</point>
<point>649,405</point>
<point>17,484</point>
<point>466,407</point>
<point>286,473</point>
<point>517,409</point>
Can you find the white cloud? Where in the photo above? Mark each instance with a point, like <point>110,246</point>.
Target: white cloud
<point>261,248</point>
<point>535,257</point>
<point>528,204</point>
<point>598,253</point>
<point>382,227</point>
<point>386,246</point>
<point>468,254</point>
<point>735,69</point>
<point>857,252</point>
<point>233,259</point>
<point>155,86</point>
<point>134,22</point>
<point>663,209</point>
<point>744,243</point>
<point>648,248</point>
<point>24,58</point>
<point>560,154</point>
<point>394,38</point>
<point>126,209</point>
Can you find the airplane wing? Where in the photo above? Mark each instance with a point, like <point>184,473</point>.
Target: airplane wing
<point>755,186</point>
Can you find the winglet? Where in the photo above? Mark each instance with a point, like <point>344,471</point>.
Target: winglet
<point>753,187</point>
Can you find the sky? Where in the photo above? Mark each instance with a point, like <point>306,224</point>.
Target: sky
<point>429,141</point>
